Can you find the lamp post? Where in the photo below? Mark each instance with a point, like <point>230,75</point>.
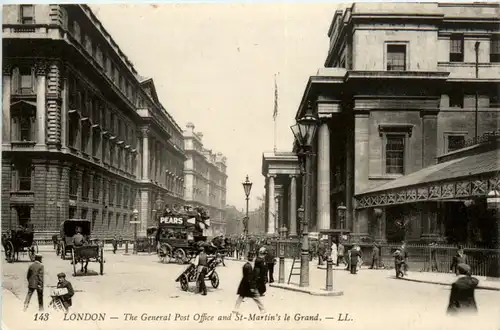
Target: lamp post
<point>304,132</point>
<point>283,231</point>
<point>247,187</point>
<point>135,212</point>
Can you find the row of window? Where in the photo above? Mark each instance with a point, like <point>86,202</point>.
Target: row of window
<point>121,221</point>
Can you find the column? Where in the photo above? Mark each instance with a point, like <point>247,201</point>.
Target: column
<point>293,206</point>
<point>41,71</point>
<point>323,180</point>
<point>64,109</point>
<point>53,104</point>
<point>145,153</point>
<point>429,137</point>
<point>271,208</point>
<point>7,72</point>
<point>349,184</point>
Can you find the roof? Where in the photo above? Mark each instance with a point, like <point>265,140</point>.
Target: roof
<point>461,167</point>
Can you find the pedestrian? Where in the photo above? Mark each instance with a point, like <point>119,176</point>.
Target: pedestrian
<point>201,263</point>
<point>35,282</point>
<point>247,287</point>
<point>64,283</point>
<point>434,261</point>
<point>260,271</point>
<point>398,263</point>
<point>462,298</point>
<point>404,253</point>
<point>114,242</point>
<point>375,255</point>
<point>348,260</point>
<point>359,259</point>
<point>458,258</point>
<point>270,259</point>
<point>340,254</point>
<point>333,253</point>
<point>353,260</point>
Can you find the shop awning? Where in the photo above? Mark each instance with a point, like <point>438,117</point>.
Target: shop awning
<point>460,178</point>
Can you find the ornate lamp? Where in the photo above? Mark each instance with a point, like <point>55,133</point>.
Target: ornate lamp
<point>305,129</point>
<point>341,211</point>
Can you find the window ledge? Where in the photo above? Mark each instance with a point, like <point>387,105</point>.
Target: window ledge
<point>385,177</point>
<point>23,144</point>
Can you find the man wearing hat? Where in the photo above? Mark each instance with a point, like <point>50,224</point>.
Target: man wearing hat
<point>201,263</point>
<point>78,237</point>
<point>35,282</point>
<point>462,292</point>
<point>63,283</point>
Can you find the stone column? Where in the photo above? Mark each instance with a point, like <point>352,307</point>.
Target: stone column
<point>429,137</point>
<point>349,184</point>
<point>7,72</point>
<point>272,209</point>
<point>54,104</point>
<point>293,206</point>
<point>41,71</point>
<point>64,109</point>
<point>144,213</point>
<point>145,153</point>
<point>323,179</point>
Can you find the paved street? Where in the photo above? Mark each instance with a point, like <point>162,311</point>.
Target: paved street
<point>140,285</point>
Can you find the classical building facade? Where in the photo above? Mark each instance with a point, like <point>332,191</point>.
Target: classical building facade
<point>403,85</point>
<point>84,136</point>
<point>205,179</point>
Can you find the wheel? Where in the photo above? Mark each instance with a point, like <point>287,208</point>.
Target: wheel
<point>214,279</point>
<point>33,250</point>
<point>63,251</point>
<point>180,256</point>
<point>9,251</point>
<point>101,261</point>
<point>165,253</point>
<point>184,283</point>
<point>74,261</point>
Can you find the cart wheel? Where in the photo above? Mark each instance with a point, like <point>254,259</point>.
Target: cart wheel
<point>9,251</point>
<point>214,279</point>
<point>101,261</point>
<point>184,282</point>
<point>164,253</point>
<point>180,256</point>
<point>74,261</point>
<point>63,251</point>
<point>33,249</point>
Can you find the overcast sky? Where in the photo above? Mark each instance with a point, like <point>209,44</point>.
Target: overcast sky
<point>214,65</point>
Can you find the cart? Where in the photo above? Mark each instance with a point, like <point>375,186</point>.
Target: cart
<point>86,253</point>
<point>20,241</point>
<point>67,230</point>
<point>190,274</point>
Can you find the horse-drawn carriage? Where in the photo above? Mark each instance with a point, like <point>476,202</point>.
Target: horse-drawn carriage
<point>19,241</point>
<point>180,234</point>
<point>91,250</point>
<point>191,275</point>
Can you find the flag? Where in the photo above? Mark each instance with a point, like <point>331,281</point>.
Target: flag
<point>275,113</point>
<point>191,221</point>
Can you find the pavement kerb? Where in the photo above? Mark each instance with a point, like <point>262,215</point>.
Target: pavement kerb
<point>479,287</point>
<point>314,292</point>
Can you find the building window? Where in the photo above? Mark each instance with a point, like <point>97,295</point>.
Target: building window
<point>73,130</point>
<point>72,212</point>
<point>24,177</point>
<point>23,215</point>
<point>96,189</point>
<point>84,214</point>
<point>112,154</point>
<point>495,49</point>
<point>454,142</point>
<point>457,48</point>
<point>73,184</point>
<point>96,138</point>
<point>396,57</point>
<point>117,221</point>
<point>27,14</point>
<point>394,153</point>
<point>85,187</point>
<point>111,193</point>
<point>76,31</point>
<point>456,100</point>
<point>118,194</point>
<point>23,80</point>
<point>494,100</point>
<point>110,217</point>
<point>105,151</point>
<point>94,218</point>
<point>85,136</point>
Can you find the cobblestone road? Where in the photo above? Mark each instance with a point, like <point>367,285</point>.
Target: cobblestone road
<point>142,286</point>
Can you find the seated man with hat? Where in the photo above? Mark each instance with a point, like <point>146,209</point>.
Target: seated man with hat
<point>64,283</point>
<point>78,238</point>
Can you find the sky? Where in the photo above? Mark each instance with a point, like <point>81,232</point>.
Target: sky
<point>214,65</point>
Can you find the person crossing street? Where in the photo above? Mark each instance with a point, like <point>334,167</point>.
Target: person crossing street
<point>201,263</point>
<point>35,282</point>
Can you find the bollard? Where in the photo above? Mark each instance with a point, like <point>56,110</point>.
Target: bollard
<point>281,243</point>
<point>329,274</point>
<point>126,247</point>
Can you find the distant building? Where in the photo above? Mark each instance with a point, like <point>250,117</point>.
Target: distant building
<point>84,136</point>
<point>403,85</point>
<point>233,220</point>
<point>205,179</point>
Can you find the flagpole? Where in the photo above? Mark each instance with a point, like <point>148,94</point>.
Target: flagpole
<point>275,112</point>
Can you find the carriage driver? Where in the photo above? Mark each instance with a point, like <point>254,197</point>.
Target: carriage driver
<point>78,238</point>
<point>201,263</point>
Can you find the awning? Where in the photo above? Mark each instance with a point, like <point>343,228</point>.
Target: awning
<point>460,178</point>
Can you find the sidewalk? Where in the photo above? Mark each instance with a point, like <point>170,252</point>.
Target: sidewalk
<point>485,283</point>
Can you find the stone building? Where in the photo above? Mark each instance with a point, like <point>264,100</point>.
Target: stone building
<point>84,136</point>
<point>403,85</point>
<point>205,179</point>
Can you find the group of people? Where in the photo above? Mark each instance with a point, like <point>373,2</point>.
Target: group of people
<point>35,277</point>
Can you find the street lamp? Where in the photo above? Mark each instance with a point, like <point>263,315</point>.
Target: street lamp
<point>341,211</point>
<point>247,186</point>
<point>304,132</point>
<point>135,212</point>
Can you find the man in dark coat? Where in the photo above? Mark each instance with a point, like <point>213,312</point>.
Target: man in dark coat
<point>114,242</point>
<point>462,298</point>
<point>248,287</point>
<point>63,283</point>
<point>35,282</point>
<point>459,258</point>
<point>270,261</point>
<point>201,263</point>
<point>375,253</point>
<point>353,260</point>
<point>260,272</point>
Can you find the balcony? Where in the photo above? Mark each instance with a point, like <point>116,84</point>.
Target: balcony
<point>467,70</point>
<point>22,197</point>
<point>22,145</point>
